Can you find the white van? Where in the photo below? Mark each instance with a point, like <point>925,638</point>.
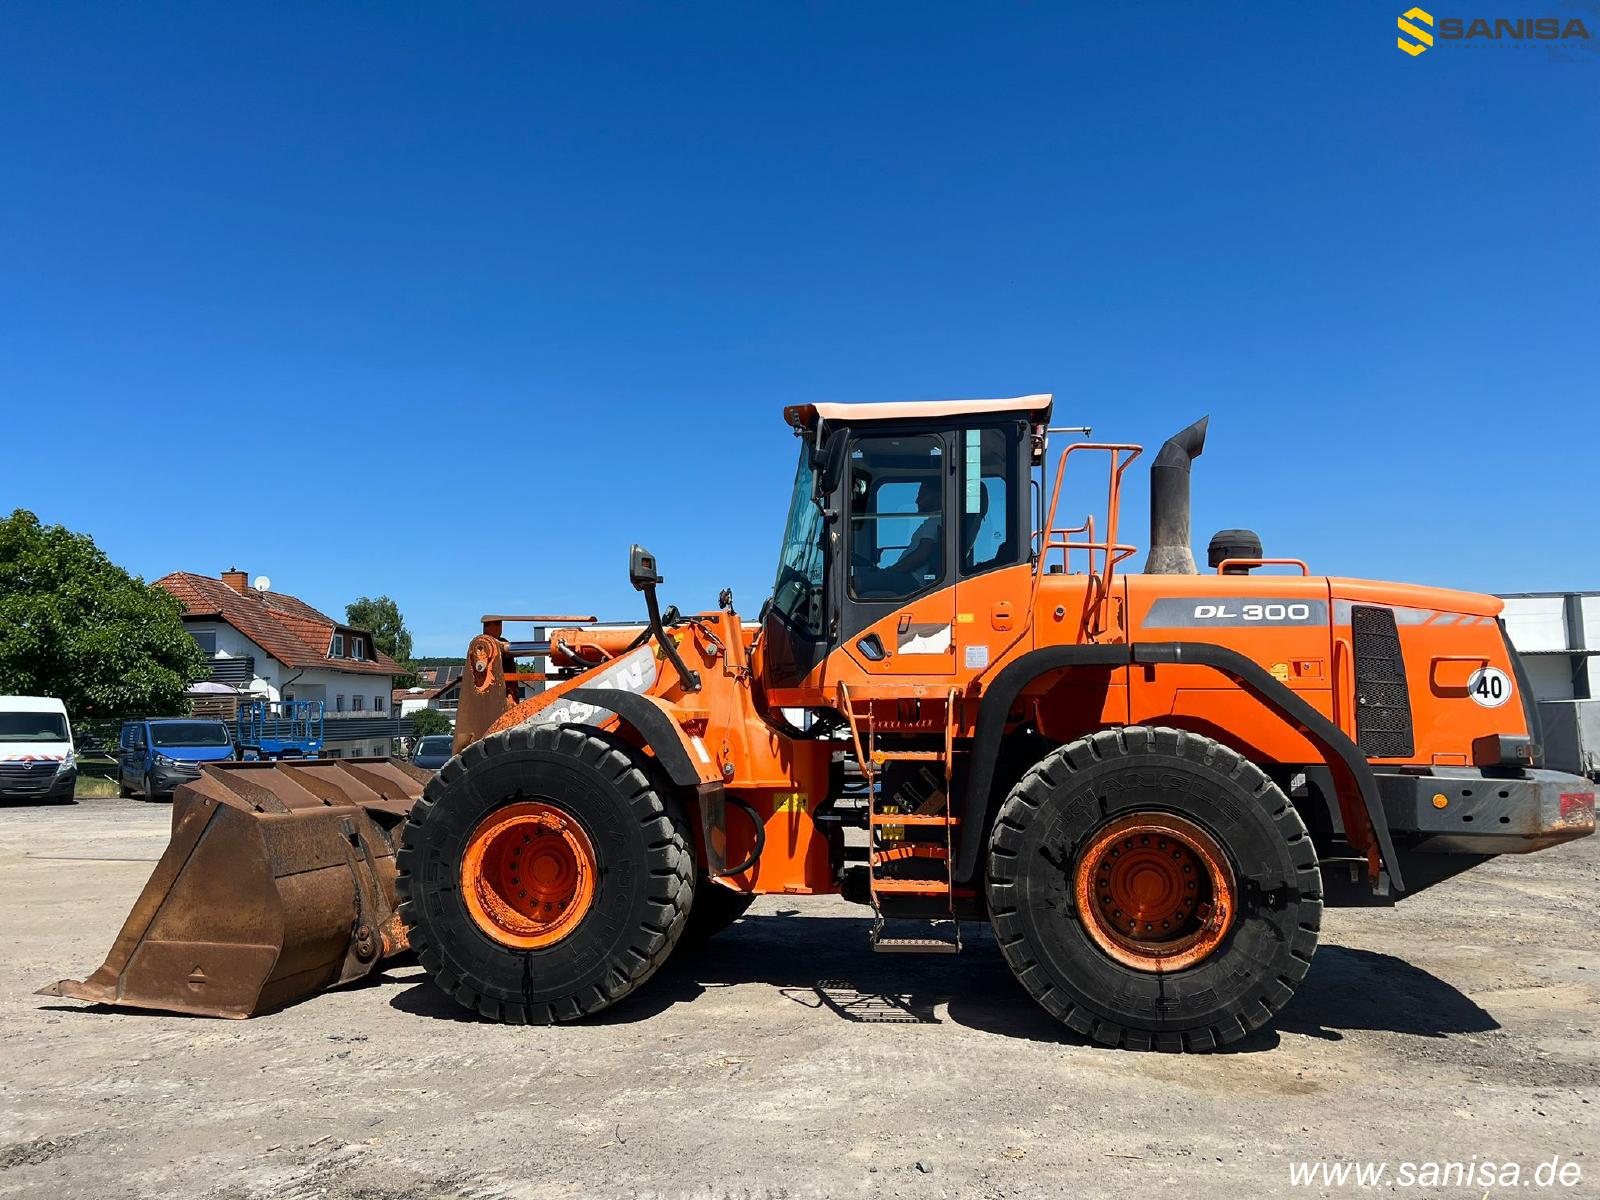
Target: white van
<point>37,759</point>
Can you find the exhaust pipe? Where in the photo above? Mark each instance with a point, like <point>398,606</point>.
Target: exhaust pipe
<point>1170,535</point>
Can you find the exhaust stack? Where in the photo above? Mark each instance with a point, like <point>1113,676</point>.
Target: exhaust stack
<point>1170,534</point>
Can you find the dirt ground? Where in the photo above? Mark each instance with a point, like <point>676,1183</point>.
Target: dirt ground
<point>786,1059</point>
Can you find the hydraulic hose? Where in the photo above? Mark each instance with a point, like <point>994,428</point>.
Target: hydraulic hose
<point>761,838</point>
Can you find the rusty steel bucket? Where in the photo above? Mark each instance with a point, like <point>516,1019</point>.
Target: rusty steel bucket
<point>278,882</point>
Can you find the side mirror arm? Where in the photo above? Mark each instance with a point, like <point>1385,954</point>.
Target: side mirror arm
<point>642,574</point>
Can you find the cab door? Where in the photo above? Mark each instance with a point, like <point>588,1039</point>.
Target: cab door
<point>994,528</point>
<point>898,604</point>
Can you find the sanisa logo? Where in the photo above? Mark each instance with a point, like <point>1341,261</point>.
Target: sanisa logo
<point>1417,31</point>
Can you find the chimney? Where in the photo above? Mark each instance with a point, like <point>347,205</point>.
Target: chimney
<point>238,580</point>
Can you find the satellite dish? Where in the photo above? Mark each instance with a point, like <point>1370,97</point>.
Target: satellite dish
<point>262,584</point>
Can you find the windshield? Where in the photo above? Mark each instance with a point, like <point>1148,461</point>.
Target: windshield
<point>434,745</point>
<point>32,727</point>
<point>189,733</point>
<point>797,594</point>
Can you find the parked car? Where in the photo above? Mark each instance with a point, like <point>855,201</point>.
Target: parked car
<point>155,755</point>
<point>37,757</point>
<point>432,752</point>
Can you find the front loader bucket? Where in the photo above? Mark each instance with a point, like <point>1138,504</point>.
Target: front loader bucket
<point>278,882</point>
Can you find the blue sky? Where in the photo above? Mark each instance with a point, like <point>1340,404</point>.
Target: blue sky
<point>453,302</point>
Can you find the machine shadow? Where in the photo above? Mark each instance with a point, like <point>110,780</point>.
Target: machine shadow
<point>1348,988</point>
<point>825,963</point>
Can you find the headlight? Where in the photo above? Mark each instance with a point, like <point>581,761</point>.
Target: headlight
<point>68,763</point>
<point>163,761</point>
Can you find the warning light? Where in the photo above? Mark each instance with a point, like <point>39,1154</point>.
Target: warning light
<point>1577,808</point>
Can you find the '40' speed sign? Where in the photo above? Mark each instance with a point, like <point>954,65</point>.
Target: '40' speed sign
<point>1489,686</point>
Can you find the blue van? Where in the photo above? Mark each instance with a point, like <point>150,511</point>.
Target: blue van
<point>155,755</point>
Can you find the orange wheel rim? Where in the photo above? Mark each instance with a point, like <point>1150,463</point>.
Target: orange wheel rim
<point>1155,892</point>
<point>528,875</point>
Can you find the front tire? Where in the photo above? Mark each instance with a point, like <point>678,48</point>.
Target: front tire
<point>542,876</point>
<point>1152,888</point>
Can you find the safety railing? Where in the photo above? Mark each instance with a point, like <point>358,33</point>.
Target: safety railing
<point>1102,554</point>
<point>279,725</point>
<point>1238,566</point>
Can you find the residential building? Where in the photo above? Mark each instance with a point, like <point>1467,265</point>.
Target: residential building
<point>271,646</point>
<point>440,688</point>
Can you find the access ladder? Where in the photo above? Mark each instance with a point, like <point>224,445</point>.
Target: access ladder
<point>909,876</point>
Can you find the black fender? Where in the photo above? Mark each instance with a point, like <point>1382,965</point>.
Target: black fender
<point>661,734</point>
<point>995,706</point>
<point>653,726</point>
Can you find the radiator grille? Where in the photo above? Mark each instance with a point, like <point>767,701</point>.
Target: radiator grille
<point>1383,703</point>
<point>20,779</point>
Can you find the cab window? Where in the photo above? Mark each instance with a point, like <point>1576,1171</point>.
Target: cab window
<point>989,499</point>
<point>797,593</point>
<point>897,519</point>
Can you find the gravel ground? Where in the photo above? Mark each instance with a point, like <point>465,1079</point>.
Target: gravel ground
<point>786,1059</point>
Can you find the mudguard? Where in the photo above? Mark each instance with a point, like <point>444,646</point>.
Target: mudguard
<point>1342,754</point>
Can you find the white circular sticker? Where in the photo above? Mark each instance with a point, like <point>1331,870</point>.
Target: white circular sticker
<point>1489,686</point>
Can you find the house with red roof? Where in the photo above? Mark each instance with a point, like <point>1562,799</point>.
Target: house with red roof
<point>439,687</point>
<point>270,646</point>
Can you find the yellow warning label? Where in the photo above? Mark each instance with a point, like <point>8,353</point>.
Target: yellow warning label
<point>789,802</point>
<point>1280,672</point>
<point>964,618</point>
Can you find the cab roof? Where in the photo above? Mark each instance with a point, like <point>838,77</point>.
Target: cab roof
<point>805,416</point>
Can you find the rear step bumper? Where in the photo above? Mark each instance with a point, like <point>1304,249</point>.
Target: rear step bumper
<point>1460,810</point>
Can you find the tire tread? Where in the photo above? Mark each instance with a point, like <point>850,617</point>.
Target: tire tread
<point>669,875</point>
<point>1029,798</point>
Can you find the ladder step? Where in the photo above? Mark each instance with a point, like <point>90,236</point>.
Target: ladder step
<point>922,887</point>
<point>883,756</point>
<point>911,945</point>
<point>913,819</point>
<point>907,852</point>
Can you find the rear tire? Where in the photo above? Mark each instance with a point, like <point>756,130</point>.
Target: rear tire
<point>1224,974</point>
<point>633,907</point>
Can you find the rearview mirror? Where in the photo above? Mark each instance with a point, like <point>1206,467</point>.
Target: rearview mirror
<point>642,569</point>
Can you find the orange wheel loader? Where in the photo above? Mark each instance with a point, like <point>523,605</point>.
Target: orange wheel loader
<point>956,705</point>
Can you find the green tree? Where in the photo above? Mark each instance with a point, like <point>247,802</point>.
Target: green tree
<point>381,618</point>
<point>75,625</point>
<point>428,720</point>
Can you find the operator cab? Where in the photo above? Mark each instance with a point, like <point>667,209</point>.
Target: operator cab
<point>893,506</point>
